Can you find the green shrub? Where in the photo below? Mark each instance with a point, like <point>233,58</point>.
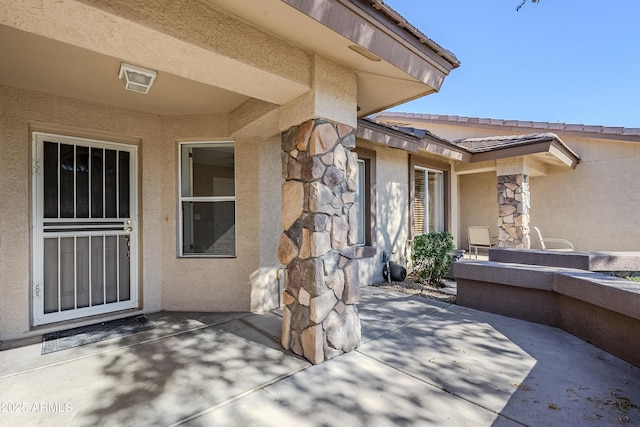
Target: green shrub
<point>432,256</point>
<point>634,278</point>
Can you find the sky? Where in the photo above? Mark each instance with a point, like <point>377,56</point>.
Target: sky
<point>570,61</point>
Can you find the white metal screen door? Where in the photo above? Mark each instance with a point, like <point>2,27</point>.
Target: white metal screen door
<point>85,218</point>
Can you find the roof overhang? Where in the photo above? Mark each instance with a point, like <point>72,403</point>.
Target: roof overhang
<point>501,126</point>
<point>394,61</point>
<point>216,56</point>
<point>411,140</point>
<point>546,147</point>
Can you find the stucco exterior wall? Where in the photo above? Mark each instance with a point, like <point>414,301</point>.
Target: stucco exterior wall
<point>266,282</point>
<point>23,111</point>
<point>209,284</point>
<point>478,204</point>
<point>392,210</point>
<point>166,281</point>
<point>593,206</point>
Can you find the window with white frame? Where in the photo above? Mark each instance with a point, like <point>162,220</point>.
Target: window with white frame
<point>428,206</point>
<point>207,199</point>
<point>366,201</point>
<point>361,202</point>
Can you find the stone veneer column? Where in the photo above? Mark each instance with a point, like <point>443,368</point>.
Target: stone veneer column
<point>513,211</point>
<point>319,219</point>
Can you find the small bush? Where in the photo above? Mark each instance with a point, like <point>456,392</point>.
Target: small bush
<point>432,256</point>
<point>634,278</point>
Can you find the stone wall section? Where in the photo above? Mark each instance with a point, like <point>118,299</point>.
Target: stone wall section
<point>513,211</point>
<point>320,319</point>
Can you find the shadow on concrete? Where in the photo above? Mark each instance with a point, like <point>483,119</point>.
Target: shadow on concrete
<point>421,363</point>
<point>162,381</point>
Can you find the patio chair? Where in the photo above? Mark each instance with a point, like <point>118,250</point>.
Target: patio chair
<point>479,237</point>
<point>565,245</point>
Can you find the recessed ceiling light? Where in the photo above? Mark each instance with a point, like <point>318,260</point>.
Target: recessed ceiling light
<point>136,79</point>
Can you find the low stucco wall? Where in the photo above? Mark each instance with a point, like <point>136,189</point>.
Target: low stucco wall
<point>589,261</point>
<point>166,281</point>
<point>600,309</point>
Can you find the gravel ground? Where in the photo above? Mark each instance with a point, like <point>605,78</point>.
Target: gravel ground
<point>411,287</point>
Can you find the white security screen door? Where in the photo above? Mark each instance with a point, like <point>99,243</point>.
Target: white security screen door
<point>84,228</point>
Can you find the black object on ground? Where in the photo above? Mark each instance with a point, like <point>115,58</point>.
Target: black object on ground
<point>398,272</point>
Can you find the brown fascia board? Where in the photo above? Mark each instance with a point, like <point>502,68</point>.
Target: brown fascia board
<point>403,27</point>
<point>385,135</point>
<point>566,156</point>
<point>551,146</point>
<point>448,150</point>
<point>387,21</point>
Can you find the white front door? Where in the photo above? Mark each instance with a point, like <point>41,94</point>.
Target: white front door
<point>84,228</point>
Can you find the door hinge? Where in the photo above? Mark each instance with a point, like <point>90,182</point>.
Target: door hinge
<point>37,166</point>
<point>36,290</point>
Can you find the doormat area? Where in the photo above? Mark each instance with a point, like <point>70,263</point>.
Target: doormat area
<point>62,340</point>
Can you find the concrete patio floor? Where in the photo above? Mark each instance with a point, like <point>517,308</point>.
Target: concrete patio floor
<point>421,363</point>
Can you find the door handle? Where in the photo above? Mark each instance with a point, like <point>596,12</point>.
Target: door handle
<point>128,229</point>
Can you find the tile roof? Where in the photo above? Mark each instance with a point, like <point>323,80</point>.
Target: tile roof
<point>492,143</point>
<point>415,132</point>
<point>472,146</point>
<point>413,31</point>
<point>410,139</point>
<point>604,131</point>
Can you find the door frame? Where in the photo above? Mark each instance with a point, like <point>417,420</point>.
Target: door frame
<point>37,213</point>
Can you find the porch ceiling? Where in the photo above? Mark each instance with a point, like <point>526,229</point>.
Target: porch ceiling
<point>41,64</point>
<point>407,69</point>
<point>67,64</point>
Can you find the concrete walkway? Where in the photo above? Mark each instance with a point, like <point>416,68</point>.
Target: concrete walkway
<point>421,363</point>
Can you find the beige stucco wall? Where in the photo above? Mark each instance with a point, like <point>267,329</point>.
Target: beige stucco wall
<point>596,205</point>
<point>593,206</point>
<point>478,204</point>
<point>267,281</point>
<point>166,281</point>
<point>22,109</point>
<point>392,209</point>
<point>207,284</point>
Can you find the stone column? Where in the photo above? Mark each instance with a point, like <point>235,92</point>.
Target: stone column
<point>513,211</point>
<point>320,319</point>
